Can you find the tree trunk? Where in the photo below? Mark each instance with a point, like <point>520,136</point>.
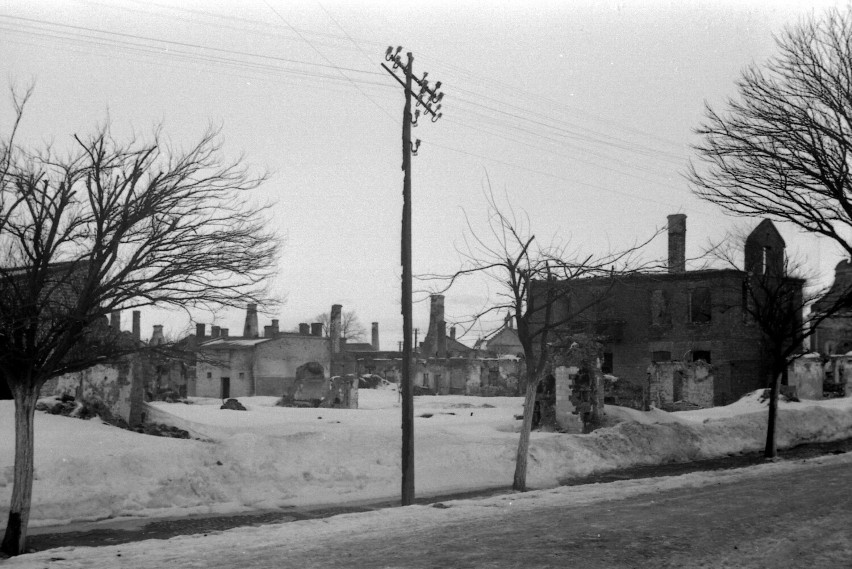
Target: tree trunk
<point>770,451</point>
<point>14,541</point>
<point>520,481</point>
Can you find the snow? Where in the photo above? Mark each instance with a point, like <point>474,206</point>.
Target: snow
<point>254,546</point>
<point>271,457</point>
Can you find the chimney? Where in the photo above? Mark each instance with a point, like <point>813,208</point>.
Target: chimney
<point>677,243</point>
<point>137,325</point>
<point>115,320</point>
<point>157,337</point>
<point>452,332</point>
<point>250,330</point>
<point>272,330</point>
<point>435,344</point>
<point>316,328</point>
<point>199,331</point>
<point>334,327</point>
<point>223,332</point>
<point>305,329</point>
<point>215,331</point>
<point>375,336</point>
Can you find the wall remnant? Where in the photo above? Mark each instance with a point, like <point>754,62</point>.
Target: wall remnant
<point>118,386</point>
<point>806,374</point>
<point>677,386</point>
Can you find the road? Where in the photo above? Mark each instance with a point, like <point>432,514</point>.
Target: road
<point>796,518</point>
<point>802,519</point>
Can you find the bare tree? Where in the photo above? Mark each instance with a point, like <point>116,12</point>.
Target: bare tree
<point>533,282</point>
<point>350,326</point>
<point>782,149</point>
<point>777,300</point>
<point>112,225</point>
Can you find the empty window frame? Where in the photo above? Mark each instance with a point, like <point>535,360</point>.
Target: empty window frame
<point>660,315</point>
<point>700,305</point>
<point>701,355</point>
<point>606,364</point>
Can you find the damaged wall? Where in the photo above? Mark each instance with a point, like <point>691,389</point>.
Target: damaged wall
<point>119,386</point>
<point>686,383</point>
<point>567,416</point>
<point>276,361</point>
<point>224,373</point>
<point>807,375</point>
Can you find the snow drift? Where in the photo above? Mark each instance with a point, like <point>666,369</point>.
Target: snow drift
<point>270,457</point>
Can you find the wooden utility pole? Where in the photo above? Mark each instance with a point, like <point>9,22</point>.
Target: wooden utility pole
<point>427,97</point>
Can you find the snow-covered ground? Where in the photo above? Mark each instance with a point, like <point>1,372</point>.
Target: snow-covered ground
<point>268,456</point>
<point>272,545</point>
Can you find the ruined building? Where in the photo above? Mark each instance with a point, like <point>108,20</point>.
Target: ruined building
<point>833,335</point>
<point>443,365</point>
<point>296,364</point>
<point>650,322</point>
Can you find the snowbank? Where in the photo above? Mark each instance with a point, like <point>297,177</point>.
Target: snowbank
<point>255,544</point>
<point>269,457</point>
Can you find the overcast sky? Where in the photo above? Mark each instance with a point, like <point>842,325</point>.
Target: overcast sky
<point>579,113</point>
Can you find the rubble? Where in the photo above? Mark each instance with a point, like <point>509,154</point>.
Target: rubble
<point>68,406</point>
<point>234,405</point>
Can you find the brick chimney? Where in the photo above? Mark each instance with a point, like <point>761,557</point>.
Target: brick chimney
<point>677,243</point>
<point>375,336</point>
<point>137,325</point>
<point>223,332</point>
<point>215,331</point>
<point>435,343</point>
<point>305,329</point>
<point>250,329</point>
<point>452,332</point>
<point>334,325</point>
<point>199,331</point>
<point>115,320</point>
<point>316,328</point>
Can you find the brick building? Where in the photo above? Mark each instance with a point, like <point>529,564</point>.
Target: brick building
<point>680,316</point>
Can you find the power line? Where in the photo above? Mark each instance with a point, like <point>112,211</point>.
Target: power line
<point>339,70</point>
<point>184,44</point>
<point>145,47</point>
<point>467,74</point>
<point>549,174</point>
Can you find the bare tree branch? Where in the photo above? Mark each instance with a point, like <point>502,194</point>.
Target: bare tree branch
<point>114,225</point>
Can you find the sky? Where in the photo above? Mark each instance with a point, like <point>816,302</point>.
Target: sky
<point>578,115</point>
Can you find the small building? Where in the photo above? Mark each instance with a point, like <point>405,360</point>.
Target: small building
<point>505,341</point>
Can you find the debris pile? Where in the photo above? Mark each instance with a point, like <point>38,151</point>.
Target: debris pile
<point>234,405</point>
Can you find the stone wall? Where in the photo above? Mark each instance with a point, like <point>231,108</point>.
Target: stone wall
<point>678,383</point>
<point>215,365</point>
<point>807,375</point>
<point>119,386</point>
<point>276,361</point>
<point>444,376</point>
<point>567,416</point>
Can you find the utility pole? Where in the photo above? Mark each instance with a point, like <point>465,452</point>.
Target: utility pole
<point>427,97</point>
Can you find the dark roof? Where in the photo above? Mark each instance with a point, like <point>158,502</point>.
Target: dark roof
<point>235,343</point>
<point>455,345</point>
